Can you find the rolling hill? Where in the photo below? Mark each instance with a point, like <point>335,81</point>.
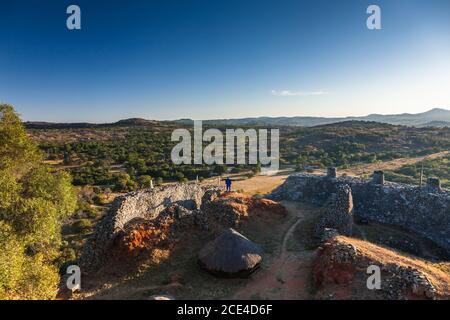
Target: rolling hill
<point>433,118</point>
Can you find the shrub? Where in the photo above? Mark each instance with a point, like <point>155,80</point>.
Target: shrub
<point>99,199</point>
<point>159,181</point>
<point>145,181</point>
<point>82,226</point>
<point>68,256</point>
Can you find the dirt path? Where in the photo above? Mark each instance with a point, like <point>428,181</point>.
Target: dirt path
<point>288,274</point>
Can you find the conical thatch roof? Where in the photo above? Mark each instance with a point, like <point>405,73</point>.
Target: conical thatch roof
<point>231,254</point>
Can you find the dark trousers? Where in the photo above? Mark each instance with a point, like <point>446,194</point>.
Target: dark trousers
<point>228,187</point>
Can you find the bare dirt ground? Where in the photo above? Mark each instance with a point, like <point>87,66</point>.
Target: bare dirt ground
<point>288,277</point>
<point>260,184</point>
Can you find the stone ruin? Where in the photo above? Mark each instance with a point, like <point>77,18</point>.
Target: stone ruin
<point>338,214</point>
<point>421,210</point>
<point>172,209</point>
<point>140,206</point>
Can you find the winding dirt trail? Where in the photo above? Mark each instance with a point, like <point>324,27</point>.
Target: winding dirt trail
<point>288,275</point>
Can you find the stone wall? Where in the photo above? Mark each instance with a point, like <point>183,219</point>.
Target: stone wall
<point>135,206</point>
<point>338,213</point>
<point>425,210</point>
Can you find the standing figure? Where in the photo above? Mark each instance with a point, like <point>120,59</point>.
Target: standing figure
<point>228,184</point>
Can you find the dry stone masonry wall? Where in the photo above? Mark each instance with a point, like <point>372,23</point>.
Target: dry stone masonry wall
<point>138,206</point>
<point>425,211</point>
<point>338,213</point>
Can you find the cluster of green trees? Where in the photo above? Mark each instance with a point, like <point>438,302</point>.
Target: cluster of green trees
<point>142,153</point>
<point>127,164</point>
<point>33,203</point>
<point>131,177</point>
<point>350,143</point>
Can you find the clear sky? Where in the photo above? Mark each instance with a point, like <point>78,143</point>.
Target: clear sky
<point>203,59</point>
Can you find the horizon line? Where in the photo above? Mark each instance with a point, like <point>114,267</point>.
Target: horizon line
<point>239,118</point>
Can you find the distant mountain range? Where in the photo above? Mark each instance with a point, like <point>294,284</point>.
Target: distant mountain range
<point>80,125</point>
<point>433,118</point>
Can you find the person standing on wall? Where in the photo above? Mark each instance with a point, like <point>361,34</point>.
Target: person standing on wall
<point>228,184</point>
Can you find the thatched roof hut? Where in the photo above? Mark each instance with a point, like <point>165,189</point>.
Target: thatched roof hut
<point>231,255</point>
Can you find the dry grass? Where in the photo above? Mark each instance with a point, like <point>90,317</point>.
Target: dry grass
<point>388,165</point>
<point>434,272</point>
<point>261,184</point>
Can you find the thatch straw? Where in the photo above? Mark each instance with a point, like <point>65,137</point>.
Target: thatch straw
<point>231,254</point>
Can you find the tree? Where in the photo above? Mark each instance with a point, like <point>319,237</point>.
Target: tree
<point>124,183</point>
<point>145,181</point>
<point>67,159</point>
<point>33,202</point>
<point>159,181</point>
<point>220,169</point>
<point>179,176</point>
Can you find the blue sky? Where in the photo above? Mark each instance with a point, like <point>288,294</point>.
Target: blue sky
<point>202,59</point>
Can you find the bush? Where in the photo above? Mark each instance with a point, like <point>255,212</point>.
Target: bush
<point>87,210</point>
<point>159,181</point>
<point>82,226</point>
<point>235,170</point>
<point>124,183</point>
<point>91,212</point>
<point>68,257</point>
<point>145,181</point>
<point>99,199</point>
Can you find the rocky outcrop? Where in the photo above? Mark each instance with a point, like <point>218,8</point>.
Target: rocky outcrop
<point>425,211</point>
<point>136,207</point>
